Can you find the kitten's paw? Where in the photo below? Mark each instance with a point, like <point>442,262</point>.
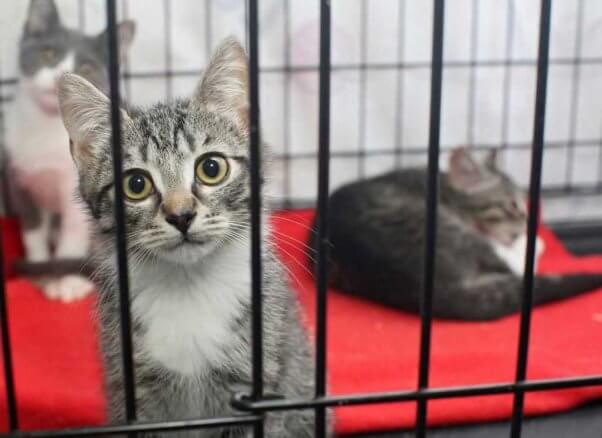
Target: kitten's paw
<point>69,288</point>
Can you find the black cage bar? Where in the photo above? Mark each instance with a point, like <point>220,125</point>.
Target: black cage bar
<point>254,406</point>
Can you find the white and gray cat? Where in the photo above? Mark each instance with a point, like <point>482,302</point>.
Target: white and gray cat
<point>186,189</point>
<point>42,177</point>
<point>378,240</point>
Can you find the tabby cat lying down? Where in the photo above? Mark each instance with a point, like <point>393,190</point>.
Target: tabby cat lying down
<point>377,231</point>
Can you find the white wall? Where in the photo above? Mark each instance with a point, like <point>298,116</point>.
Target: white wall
<point>295,95</point>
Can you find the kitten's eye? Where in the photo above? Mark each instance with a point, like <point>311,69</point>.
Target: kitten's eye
<point>137,186</point>
<point>48,55</point>
<point>212,169</point>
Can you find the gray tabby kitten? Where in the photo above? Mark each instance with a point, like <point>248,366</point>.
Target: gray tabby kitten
<point>42,178</point>
<point>378,239</point>
<point>187,209</point>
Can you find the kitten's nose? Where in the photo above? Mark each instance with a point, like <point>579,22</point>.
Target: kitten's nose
<point>181,221</point>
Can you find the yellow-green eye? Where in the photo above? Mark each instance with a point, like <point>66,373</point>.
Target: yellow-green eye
<point>212,169</point>
<point>48,55</point>
<point>85,70</point>
<point>137,186</point>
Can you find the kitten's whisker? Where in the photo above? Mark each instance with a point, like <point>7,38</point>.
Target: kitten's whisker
<point>295,240</point>
<point>301,265</point>
<point>302,225</point>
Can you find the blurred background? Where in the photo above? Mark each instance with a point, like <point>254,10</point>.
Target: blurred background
<point>381,53</point>
<point>380,82</point>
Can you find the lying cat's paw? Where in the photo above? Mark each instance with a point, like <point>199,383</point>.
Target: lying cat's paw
<point>68,288</point>
<point>540,246</point>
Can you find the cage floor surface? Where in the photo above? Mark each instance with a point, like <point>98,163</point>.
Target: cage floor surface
<point>371,348</point>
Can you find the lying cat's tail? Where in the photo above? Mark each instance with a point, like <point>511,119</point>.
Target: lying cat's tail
<point>497,295</point>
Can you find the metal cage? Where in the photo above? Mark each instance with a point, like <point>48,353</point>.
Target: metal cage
<point>254,406</point>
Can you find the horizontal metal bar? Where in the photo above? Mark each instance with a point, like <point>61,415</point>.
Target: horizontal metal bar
<point>162,426</point>
<point>159,74</point>
<point>243,403</point>
<point>423,150</point>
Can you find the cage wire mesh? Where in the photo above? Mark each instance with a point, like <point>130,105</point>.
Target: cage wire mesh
<point>380,77</point>
<point>400,88</point>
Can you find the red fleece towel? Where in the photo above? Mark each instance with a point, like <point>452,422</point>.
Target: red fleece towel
<point>370,348</point>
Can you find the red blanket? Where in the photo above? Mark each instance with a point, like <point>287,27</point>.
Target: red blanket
<point>371,348</point>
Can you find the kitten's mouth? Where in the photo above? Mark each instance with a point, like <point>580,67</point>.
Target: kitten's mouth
<point>187,241</point>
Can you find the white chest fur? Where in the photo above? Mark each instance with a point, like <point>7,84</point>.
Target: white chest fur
<point>514,255</point>
<point>188,312</point>
<point>36,140</point>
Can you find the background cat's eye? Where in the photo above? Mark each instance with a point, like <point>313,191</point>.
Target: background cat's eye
<point>137,185</point>
<point>48,55</point>
<point>85,70</point>
<point>212,169</point>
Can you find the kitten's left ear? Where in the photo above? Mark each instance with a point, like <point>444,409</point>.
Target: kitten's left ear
<point>126,30</point>
<point>224,88</point>
<point>85,111</point>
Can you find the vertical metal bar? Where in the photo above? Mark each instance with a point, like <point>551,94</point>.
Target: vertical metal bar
<point>322,222</point>
<point>167,53</point>
<point>9,381</point>
<point>81,12</point>
<point>208,28</point>
<point>431,212</point>
<point>256,271</point>
<point>400,83</point>
<point>534,194</point>
<point>125,10</point>
<point>507,73</point>
<point>361,164</point>
<point>573,107</point>
<point>472,81</point>
<point>247,30</point>
<point>122,262</point>
<point>286,106</point>
<point>7,359</point>
<point>600,159</point>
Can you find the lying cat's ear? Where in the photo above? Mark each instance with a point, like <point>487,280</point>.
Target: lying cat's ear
<point>86,115</point>
<point>491,160</point>
<point>126,30</point>
<point>41,17</point>
<point>466,173</point>
<point>224,88</point>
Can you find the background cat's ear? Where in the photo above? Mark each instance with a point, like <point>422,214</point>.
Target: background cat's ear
<point>491,160</point>
<point>42,16</point>
<point>466,173</point>
<point>224,88</point>
<point>86,115</point>
<point>126,30</point>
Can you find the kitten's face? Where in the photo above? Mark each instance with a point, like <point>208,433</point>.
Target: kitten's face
<point>48,50</point>
<point>185,165</point>
<point>494,203</point>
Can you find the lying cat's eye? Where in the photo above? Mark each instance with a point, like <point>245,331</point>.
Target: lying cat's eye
<point>212,169</point>
<point>493,215</point>
<point>48,55</point>
<point>137,185</point>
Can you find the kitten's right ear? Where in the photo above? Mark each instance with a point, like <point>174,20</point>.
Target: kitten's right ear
<point>42,16</point>
<point>224,88</point>
<point>85,111</point>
